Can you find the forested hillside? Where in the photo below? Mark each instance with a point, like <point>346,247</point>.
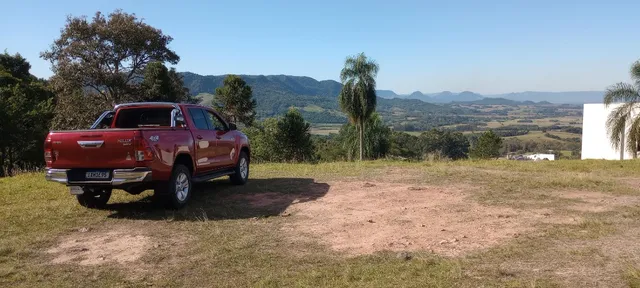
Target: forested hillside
<point>317,100</point>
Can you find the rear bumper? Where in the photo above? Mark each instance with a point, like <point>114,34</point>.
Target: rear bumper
<point>120,177</point>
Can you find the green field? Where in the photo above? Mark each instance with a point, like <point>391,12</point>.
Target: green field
<point>539,136</point>
<point>373,224</point>
<point>325,129</point>
<point>562,121</point>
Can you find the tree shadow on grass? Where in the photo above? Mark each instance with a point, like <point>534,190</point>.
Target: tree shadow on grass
<point>220,199</point>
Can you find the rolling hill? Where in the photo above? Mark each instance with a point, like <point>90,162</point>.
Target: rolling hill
<point>318,101</point>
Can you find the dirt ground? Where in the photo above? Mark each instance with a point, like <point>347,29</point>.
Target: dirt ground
<point>354,218</point>
<point>358,218</point>
<point>366,217</point>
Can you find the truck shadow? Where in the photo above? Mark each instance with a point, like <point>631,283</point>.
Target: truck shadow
<point>220,199</point>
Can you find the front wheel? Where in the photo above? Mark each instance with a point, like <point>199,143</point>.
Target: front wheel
<point>241,173</point>
<point>94,197</point>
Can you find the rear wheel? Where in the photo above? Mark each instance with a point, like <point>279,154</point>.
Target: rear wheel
<point>180,186</point>
<point>241,174</point>
<point>94,197</point>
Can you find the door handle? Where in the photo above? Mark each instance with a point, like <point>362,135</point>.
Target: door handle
<point>199,137</point>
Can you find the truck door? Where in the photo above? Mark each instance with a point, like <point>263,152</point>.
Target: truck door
<point>225,141</point>
<point>205,141</point>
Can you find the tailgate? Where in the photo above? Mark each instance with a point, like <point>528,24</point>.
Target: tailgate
<point>96,148</point>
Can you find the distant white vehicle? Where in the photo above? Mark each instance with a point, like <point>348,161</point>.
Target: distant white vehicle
<point>538,157</point>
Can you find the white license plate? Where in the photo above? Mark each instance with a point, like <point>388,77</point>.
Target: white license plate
<point>97,175</point>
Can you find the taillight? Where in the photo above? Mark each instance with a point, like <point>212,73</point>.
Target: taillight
<point>48,151</point>
<point>142,150</point>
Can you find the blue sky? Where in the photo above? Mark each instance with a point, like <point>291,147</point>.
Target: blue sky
<point>481,46</point>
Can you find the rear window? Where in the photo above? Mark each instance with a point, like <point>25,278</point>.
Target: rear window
<point>143,117</point>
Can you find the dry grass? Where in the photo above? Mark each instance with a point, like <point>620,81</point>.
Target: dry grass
<point>580,219</point>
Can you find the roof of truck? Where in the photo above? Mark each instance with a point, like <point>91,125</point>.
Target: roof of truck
<point>133,104</point>
<point>147,104</point>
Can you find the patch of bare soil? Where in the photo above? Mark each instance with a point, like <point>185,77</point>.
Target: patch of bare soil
<point>596,201</point>
<point>362,218</point>
<point>100,247</point>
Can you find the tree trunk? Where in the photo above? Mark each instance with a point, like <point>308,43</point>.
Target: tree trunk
<point>361,132</point>
<point>3,155</point>
<point>10,164</point>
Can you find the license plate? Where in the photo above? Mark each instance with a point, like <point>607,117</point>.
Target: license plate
<point>97,175</point>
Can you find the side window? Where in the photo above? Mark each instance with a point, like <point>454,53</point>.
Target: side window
<point>198,119</point>
<point>215,123</point>
<point>106,121</point>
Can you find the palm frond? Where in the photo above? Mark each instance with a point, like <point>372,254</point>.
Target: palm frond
<point>633,136</point>
<point>621,92</point>
<point>616,123</point>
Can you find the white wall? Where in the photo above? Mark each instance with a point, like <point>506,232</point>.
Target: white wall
<point>595,140</point>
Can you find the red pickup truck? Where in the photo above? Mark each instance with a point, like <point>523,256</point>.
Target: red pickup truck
<point>139,146</point>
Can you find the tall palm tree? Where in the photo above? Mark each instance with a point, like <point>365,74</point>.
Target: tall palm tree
<point>358,95</point>
<point>618,119</point>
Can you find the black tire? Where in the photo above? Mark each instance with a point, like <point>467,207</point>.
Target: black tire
<point>94,197</point>
<point>180,178</point>
<point>241,173</point>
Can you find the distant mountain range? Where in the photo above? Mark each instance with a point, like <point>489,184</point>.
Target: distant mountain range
<point>264,85</point>
<point>530,97</point>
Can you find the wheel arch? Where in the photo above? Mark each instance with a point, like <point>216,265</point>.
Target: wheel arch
<point>246,149</point>
<point>186,160</point>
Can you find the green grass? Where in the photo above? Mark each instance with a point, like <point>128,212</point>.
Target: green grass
<point>226,243</point>
<point>313,108</point>
<point>632,277</point>
<point>325,129</point>
<point>549,121</point>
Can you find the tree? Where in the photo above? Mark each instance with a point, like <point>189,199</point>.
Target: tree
<point>488,146</point>
<point>357,98</point>
<point>108,55</point>
<point>376,140</point>
<point>281,139</point>
<point>623,115</point>
<point>101,62</point>
<point>294,137</point>
<point>235,100</point>
<point>163,84</point>
<point>405,145</point>
<point>264,143</point>
<point>453,145</point>
<point>25,113</point>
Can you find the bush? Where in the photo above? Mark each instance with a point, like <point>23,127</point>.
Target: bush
<point>285,139</point>
<point>488,146</point>
<point>376,139</point>
<point>452,145</point>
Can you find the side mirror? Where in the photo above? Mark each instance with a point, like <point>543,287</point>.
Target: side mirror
<point>232,126</point>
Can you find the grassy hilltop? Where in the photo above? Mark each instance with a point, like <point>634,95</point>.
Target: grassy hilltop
<point>372,224</point>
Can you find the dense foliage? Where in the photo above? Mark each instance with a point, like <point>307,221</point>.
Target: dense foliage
<point>375,141</point>
<point>107,61</point>
<point>487,147</point>
<point>235,101</point>
<point>285,139</point>
<point>26,109</point>
<point>445,144</point>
